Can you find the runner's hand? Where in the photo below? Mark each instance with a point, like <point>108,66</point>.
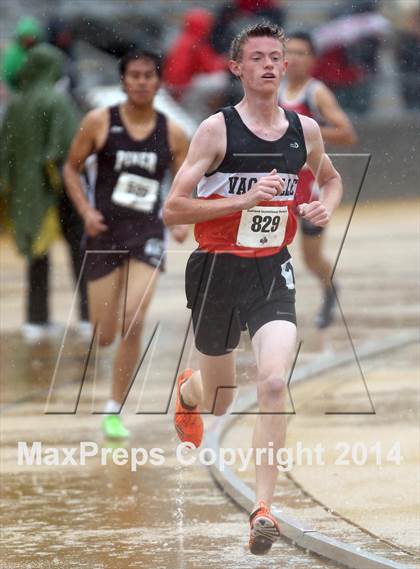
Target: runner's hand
<point>179,232</point>
<point>94,222</point>
<point>264,190</point>
<point>314,212</point>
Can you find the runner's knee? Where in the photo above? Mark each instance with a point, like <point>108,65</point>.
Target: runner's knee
<point>105,333</point>
<point>271,389</point>
<point>134,320</point>
<point>106,338</point>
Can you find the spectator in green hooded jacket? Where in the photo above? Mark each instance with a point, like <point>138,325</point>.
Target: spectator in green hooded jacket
<point>28,33</point>
<point>37,130</point>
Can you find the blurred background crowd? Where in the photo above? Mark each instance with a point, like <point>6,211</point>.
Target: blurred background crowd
<point>368,51</point>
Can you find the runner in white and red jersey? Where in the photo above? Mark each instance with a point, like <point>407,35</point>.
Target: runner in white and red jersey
<point>301,93</point>
<point>244,163</point>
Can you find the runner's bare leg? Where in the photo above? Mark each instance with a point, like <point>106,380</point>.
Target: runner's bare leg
<point>212,387</point>
<point>314,257</point>
<point>142,280</point>
<point>274,347</point>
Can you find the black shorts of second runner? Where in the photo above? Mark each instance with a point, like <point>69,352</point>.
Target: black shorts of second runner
<point>228,294</point>
<point>122,242</point>
<point>309,229</point>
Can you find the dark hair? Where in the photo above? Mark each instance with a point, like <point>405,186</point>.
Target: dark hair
<point>260,30</point>
<point>140,54</point>
<point>303,36</point>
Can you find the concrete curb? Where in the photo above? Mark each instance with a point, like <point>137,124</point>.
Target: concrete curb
<point>306,538</point>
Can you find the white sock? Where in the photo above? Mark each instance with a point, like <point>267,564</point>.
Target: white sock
<point>112,406</point>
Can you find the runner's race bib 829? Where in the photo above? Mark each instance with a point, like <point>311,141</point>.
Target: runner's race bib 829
<point>262,226</point>
<point>135,192</point>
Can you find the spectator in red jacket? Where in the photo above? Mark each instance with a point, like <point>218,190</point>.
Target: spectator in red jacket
<point>194,73</point>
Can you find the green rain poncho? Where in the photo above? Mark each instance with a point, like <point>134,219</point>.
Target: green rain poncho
<point>15,54</point>
<point>36,134</point>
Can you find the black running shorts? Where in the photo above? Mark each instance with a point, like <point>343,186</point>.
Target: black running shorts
<point>228,294</point>
<point>109,250</point>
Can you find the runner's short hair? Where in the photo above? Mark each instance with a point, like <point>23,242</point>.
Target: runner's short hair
<point>140,54</point>
<point>303,36</point>
<point>260,30</point>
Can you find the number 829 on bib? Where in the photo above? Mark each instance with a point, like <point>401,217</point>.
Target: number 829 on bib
<point>262,227</point>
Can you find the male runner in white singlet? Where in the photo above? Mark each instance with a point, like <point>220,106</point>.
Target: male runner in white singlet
<point>244,162</point>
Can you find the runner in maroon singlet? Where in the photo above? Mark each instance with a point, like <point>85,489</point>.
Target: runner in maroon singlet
<point>135,145</point>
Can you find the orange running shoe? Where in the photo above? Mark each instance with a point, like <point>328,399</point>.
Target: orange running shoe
<point>264,530</point>
<point>188,421</point>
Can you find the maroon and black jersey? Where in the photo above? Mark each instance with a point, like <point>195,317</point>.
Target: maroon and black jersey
<point>128,192</point>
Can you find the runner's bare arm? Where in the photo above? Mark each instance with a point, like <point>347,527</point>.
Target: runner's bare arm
<point>338,129</point>
<point>205,154</point>
<point>178,143</point>
<point>327,177</point>
<point>83,145</point>
<point>91,134</point>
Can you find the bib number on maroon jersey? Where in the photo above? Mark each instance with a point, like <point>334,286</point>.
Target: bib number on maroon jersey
<point>136,192</point>
<point>262,227</point>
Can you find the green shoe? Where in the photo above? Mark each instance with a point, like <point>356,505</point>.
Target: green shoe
<point>113,427</point>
